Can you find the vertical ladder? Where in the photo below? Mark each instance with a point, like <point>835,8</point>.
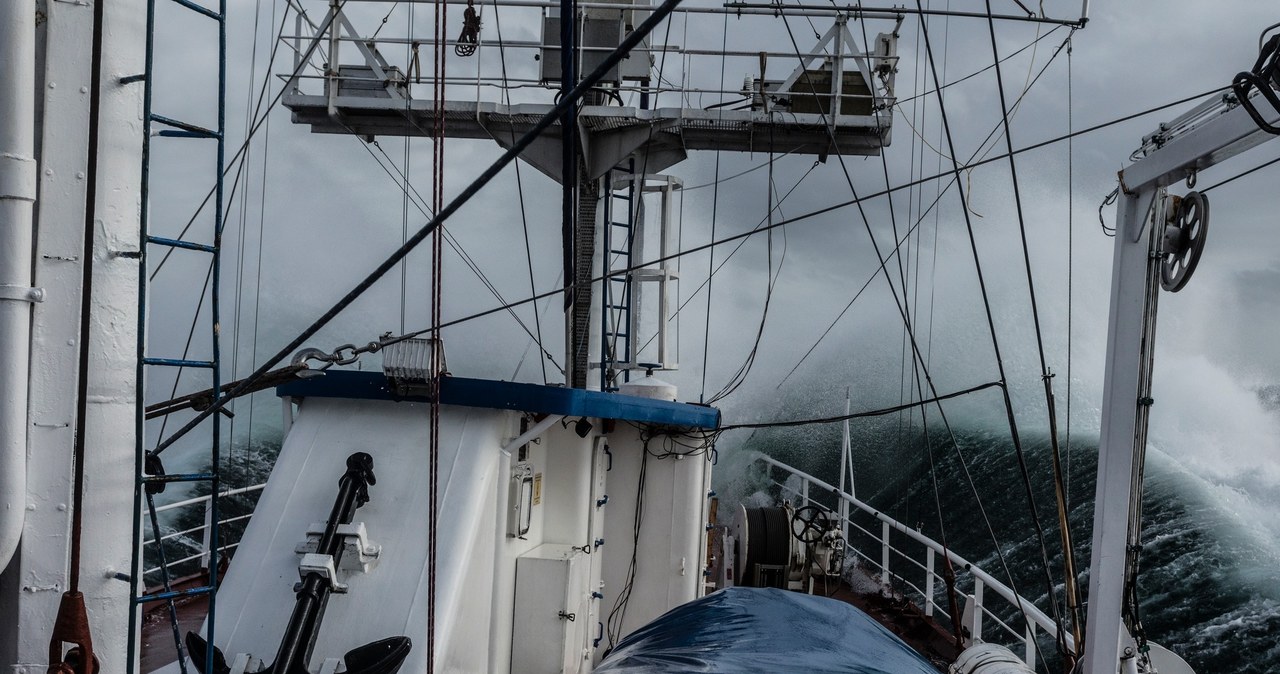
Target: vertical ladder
<point>151,477</point>
<point>619,238</point>
<point>625,301</point>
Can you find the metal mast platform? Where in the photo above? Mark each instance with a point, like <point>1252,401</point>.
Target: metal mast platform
<point>670,96</point>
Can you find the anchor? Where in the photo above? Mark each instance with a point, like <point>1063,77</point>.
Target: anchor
<point>384,656</point>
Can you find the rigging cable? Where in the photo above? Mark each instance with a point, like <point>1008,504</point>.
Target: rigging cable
<point>918,222</point>
<point>975,73</point>
<point>915,383</point>
<point>715,202</point>
<point>524,217</point>
<point>411,54</point>
<point>71,624</point>
<point>805,216</point>
<point>237,158</point>
<point>1046,377</point>
<point>937,398</point>
<point>509,155</point>
<point>1070,266</point>
<point>437,368</point>
<point>1008,404</point>
<point>419,203</point>
<point>741,242</point>
<point>740,375</point>
<point>902,312</point>
<point>262,219</point>
<point>1240,175</point>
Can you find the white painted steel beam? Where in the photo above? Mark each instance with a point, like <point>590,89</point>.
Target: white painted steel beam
<point>110,413</point>
<point>1208,143</point>
<point>670,130</point>
<point>1119,428</point>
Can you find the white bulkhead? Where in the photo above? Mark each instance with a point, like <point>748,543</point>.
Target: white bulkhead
<point>535,542</point>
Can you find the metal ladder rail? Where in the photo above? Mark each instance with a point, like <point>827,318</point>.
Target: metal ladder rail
<point>616,298</point>
<point>147,484</point>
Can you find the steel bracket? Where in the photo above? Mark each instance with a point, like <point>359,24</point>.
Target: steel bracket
<point>360,555</point>
<point>19,293</point>
<point>323,565</point>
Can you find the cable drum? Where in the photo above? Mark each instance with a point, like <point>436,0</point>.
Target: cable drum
<point>763,540</point>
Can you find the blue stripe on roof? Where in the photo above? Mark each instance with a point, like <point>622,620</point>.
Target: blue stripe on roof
<point>506,395</point>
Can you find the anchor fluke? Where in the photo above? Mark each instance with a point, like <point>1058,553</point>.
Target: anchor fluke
<point>380,657</point>
<point>198,649</point>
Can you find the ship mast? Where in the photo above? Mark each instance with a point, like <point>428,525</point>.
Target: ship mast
<point>608,153</point>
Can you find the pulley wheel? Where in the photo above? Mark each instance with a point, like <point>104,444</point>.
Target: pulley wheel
<point>1184,242</point>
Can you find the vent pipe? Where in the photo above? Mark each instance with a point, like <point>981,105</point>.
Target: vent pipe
<point>17,202</point>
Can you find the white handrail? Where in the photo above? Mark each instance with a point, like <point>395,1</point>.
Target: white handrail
<point>1023,604</point>
<point>204,526</point>
<point>202,499</point>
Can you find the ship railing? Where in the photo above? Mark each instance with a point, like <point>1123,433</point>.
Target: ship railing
<point>391,63</point>
<point>203,531</point>
<point>975,612</point>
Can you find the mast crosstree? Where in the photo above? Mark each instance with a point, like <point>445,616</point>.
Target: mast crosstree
<point>829,100</point>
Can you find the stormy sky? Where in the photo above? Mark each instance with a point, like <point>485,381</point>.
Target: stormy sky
<point>313,213</point>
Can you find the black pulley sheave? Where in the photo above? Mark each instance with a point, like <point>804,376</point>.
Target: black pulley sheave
<point>312,597</point>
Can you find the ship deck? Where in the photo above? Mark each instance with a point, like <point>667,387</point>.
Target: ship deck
<point>900,616</point>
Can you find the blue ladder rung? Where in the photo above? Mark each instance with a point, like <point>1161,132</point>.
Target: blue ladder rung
<point>178,243</point>
<point>178,362</point>
<point>177,477</point>
<point>161,596</point>
<point>200,9</point>
<point>194,131</point>
<point>171,133</point>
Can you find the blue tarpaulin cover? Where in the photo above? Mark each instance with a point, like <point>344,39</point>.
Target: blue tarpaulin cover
<point>740,630</point>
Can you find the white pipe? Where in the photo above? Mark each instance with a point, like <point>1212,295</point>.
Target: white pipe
<point>533,433</point>
<point>17,201</point>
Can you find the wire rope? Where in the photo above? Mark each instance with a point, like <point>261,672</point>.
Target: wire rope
<point>898,302</point>
<point>410,50</point>
<point>914,227</point>
<point>1008,403</point>
<point>257,291</point>
<point>524,217</point>
<point>1070,258</point>
<point>805,216</point>
<point>509,156</point>
<point>937,398</point>
<point>715,202</point>
<point>260,118</point>
<point>612,59</point>
<point>741,242</point>
<point>1045,374</point>
<point>740,376</point>
<point>419,202</point>
<point>1241,175</point>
